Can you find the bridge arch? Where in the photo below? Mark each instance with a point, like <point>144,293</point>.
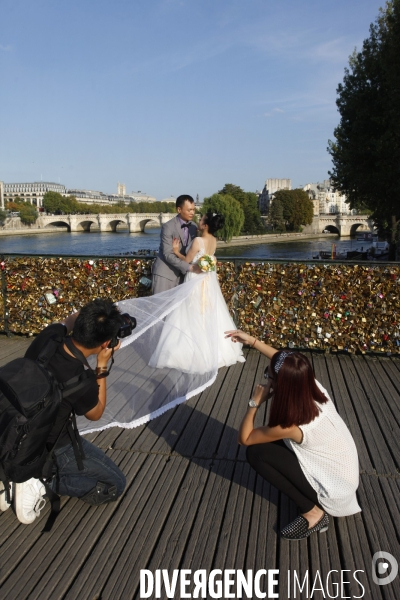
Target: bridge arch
<point>142,224</point>
<point>58,223</point>
<point>113,224</point>
<point>85,224</point>
<point>357,227</point>
<point>331,229</point>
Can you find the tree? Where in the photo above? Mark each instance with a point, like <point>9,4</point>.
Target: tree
<point>232,211</point>
<point>3,216</point>
<point>297,208</point>
<point>276,216</point>
<point>249,202</point>
<point>27,212</point>
<point>366,149</point>
<point>57,204</point>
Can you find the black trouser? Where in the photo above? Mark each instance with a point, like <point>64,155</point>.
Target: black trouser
<point>279,465</point>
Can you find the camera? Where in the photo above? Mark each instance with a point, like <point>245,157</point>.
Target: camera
<point>128,325</point>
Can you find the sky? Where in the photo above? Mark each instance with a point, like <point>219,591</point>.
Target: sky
<point>173,96</point>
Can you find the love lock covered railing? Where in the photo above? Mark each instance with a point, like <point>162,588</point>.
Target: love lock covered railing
<point>328,307</point>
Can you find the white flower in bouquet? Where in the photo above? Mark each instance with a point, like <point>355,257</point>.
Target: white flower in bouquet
<point>207,263</point>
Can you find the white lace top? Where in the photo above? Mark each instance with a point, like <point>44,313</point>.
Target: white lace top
<point>329,460</point>
<point>199,253</point>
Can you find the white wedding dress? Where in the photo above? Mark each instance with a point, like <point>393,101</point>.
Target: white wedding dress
<point>202,317</point>
<point>173,354</point>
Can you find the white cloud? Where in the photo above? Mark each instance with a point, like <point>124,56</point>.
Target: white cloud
<point>273,112</point>
<point>5,48</point>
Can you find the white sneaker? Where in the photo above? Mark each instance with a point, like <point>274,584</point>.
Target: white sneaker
<point>4,505</point>
<point>28,500</point>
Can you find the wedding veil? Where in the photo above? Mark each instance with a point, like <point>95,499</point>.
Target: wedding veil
<point>170,356</point>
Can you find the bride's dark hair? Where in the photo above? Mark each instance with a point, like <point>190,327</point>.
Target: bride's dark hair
<point>214,221</point>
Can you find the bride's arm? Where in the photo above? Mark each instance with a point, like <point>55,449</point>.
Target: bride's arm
<point>194,248</point>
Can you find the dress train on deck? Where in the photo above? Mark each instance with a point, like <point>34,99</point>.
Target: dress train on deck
<point>173,354</point>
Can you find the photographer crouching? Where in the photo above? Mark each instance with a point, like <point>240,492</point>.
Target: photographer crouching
<point>79,468</point>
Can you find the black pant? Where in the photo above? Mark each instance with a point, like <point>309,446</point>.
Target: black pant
<point>279,465</point>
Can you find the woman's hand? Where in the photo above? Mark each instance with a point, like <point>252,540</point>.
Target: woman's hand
<point>262,393</point>
<point>176,245</point>
<point>237,335</point>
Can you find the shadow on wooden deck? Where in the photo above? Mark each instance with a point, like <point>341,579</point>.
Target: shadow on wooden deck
<point>192,501</point>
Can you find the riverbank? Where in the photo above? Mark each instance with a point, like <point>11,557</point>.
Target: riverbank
<point>38,230</point>
<point>29,231</point>
<point>245,240</point>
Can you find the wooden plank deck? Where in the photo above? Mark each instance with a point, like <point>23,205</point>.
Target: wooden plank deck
<point>193,502</point>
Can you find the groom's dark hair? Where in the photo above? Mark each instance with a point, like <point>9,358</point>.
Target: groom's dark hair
<point>180,201</point>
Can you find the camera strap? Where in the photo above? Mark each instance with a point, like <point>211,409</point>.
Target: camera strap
<point>76,352</point>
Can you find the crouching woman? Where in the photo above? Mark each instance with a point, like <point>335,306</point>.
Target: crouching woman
<point>306,451</point>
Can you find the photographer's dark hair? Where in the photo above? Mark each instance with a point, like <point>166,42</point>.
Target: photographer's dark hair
<point>214,221</point>
<point>295,392</point>
<point>97,322</point>
<point>180,201</point>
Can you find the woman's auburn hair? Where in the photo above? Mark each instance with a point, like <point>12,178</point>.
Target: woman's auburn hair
<point>295,392</point>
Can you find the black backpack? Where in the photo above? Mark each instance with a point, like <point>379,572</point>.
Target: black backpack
<point>30,398</point>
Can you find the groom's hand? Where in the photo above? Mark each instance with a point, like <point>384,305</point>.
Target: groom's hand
<point>195,269</point>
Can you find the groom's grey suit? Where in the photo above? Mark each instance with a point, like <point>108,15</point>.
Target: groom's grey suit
<point>168,269</point>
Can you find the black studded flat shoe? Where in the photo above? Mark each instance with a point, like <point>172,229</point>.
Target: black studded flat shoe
<point>298,529</point>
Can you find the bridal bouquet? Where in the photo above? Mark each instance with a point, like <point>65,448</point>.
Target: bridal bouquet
<point>207,263</point>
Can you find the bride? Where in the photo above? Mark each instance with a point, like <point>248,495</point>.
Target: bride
<point>204,309</point>
<point>177,347</point>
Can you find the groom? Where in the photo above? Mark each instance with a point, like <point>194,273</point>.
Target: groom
<point>169,270</point>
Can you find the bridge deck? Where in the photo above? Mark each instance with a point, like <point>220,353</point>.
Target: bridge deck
<point>193,502</point>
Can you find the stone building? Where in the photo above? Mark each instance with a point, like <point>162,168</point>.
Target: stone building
<point>31,192</point>
<point>329,200</point>
<point>94,197</point>
<point>271,186</point>
<point>121,190</point>
<point>34,193</point>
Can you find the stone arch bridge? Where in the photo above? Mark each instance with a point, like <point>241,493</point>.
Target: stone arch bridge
<point>136,222</point>
<point>344,225</point>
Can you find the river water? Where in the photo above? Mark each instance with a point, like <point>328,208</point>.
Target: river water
<point>121,242</point>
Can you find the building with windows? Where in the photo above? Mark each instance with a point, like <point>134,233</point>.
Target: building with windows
<point>141,197</point>
<point>34,193</point>
<point>93,197</point>
<point>121,190</point>
<point>31,192</point>
<point>271,186</point>
<point>328,199</point>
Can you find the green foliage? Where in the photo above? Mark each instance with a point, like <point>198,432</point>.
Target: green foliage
<point>275,216</point>
<point>297,208</point>
<point>231,209</point>
<point>27,212</point>
<point>3,216</point>
<point>366,149</point>
<point>152,207</point>
<point>57,204</point>
<point>253,224</point>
